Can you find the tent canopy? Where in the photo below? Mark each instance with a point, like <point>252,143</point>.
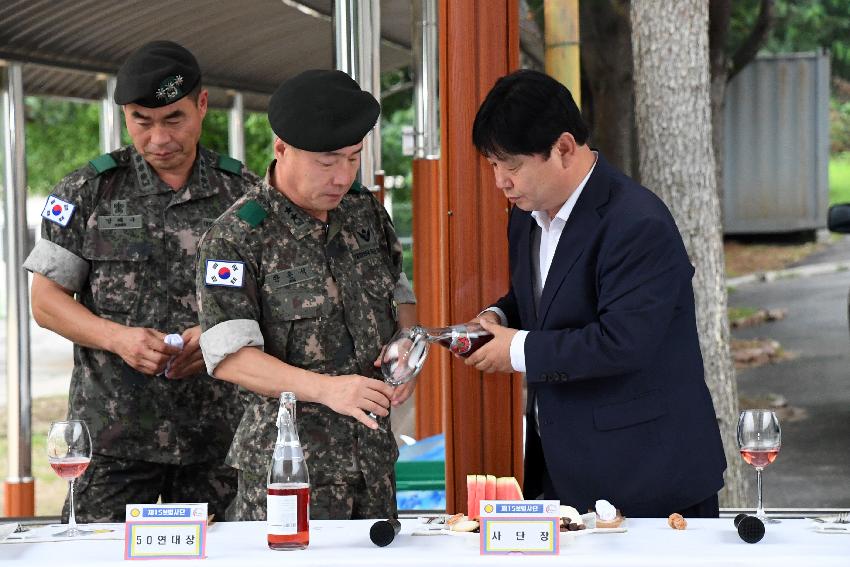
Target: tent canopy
<point>249,45</point>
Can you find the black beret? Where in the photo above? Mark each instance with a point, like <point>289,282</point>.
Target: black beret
<point>322,111</point>
<point>157,74</point>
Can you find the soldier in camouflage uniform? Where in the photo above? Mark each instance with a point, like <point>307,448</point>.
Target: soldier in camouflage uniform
<point>298,285</point>
<point>121,234</point>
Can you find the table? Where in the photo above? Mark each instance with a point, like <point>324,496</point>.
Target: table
<point>648,542</point>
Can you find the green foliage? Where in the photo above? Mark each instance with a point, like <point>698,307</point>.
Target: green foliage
<point>839,179</point>
<point>396,164</point>
<point>396,112</point>
<point>61,136</point>
<point>801,25</point>
<point>258,137</point>
<point>812,24</point>
<point>839,126</point>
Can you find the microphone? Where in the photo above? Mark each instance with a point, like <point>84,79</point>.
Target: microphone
<point>750,528</point>
<point>383,532</point>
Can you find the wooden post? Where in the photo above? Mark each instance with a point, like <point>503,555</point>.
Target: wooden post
<point>479,42</point>
<point>19,498</point>
<point>430,276</point>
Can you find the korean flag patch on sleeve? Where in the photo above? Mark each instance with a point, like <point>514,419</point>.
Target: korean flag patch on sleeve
<point>57,210</point>
<point>224,273</point>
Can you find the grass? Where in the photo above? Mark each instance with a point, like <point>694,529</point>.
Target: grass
<point>744,257</point>
<point>50,490</point>
<point>736,313</point>
<point>839,178</point>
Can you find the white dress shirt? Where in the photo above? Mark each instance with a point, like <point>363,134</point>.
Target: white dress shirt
<point>550,235</point>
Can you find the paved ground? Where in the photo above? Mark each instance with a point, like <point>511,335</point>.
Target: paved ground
<point>813,468</point>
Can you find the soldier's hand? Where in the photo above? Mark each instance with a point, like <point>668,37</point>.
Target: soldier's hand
<point>356,396</point>
<point>191,360</point>
<point>143,349</point>
<point>403,392</point>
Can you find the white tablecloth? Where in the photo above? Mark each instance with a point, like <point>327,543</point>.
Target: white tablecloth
<point>648,542</point>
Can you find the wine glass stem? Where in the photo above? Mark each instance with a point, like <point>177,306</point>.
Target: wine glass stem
<point>760,505</point>
<point>72,521</point>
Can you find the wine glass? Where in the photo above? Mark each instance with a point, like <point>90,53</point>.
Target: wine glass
<point>69,453</point>
<point>403,357</point>
<point>759,439</point>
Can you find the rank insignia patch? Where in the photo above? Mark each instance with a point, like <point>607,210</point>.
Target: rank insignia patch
<point>170,89</point>
<point>57,210</point>
<point>224,273</point>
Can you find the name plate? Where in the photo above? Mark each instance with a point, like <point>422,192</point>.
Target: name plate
<point>165,531</point>
<point>529,527</point>
<point>116,222</point>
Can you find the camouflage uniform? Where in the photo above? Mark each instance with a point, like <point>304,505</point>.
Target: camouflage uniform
<point>128,252</point>
<point>320,297</point>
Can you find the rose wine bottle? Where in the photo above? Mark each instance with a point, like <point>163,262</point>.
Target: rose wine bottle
<point>404,355</point>
<point>288,500</point>
<point>462,340</point>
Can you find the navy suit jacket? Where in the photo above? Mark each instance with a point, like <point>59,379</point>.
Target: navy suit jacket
<point>613,357</point>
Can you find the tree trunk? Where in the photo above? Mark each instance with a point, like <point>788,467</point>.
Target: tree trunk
<point>606,61</point>
<point>719,18</point>
<point>673,116</point>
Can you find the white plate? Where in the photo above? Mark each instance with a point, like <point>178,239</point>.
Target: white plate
<point>832,528</point>
<point>6,529</point>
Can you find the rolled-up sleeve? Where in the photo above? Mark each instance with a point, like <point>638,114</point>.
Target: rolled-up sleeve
<point>58,264</point>
<point>229,314</point>
<point>58,254</point>
<point>403,291</point>
<point>227,338</point>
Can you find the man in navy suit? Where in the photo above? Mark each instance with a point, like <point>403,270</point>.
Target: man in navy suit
<point>599,316</point>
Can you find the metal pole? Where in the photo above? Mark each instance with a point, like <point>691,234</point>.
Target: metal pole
<point>19,498</point>
<point>110,118</point>
<point>426,62</point>
<point>345,40</point>
<point>357,35</point>
<point>236,127</point>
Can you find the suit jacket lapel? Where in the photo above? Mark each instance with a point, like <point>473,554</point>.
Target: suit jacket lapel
<point>582,223</point>
<point>525,284</point>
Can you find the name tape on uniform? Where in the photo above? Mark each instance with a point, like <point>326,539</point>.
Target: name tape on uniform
<point>224,273</point>
<point>57,210</point>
